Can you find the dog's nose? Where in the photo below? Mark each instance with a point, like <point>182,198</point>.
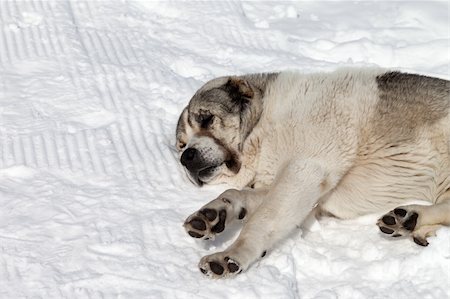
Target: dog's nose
<point>188,157</point>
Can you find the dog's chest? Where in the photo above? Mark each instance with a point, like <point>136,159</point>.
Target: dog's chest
<point>275,151</point>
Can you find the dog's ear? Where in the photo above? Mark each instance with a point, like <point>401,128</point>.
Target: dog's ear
<point>248,101</point>
<point>239,89</point>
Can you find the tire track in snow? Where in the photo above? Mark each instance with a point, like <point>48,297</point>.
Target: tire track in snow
<point>5,56</point>
<point>41,155</point>
<point>18,151</point>
<point>129,140</point>
<point>21,45</point>
<point>50,150</point>
<point>7,157</point>
<point>69,151</point>
<point>131,150</point>
<point>74,156</point>
<point>62,152</point>
<point>9,42</point>
<point>23,42</point>
<point>89,139</point>
<point>92,156</point>
<point>28,151</point>
<point>85,157</point>
<point>55,50</point>
<point>4,53</point>
<point>89,46</point>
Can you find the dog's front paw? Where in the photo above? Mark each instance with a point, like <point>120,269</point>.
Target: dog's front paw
<point>398,222</point>
<point>206,223</point>
<point>219,265</point>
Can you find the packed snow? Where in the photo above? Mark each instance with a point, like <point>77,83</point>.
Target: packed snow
<point>92,195</point>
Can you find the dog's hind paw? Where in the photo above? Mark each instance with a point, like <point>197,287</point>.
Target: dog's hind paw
<point>398,222</point>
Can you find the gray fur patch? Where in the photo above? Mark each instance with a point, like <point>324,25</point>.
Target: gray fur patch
<point>261,81</point>
<point>234,107</point>
<point>409,101</point>
<point>224,110</point>
<point>220,99</point>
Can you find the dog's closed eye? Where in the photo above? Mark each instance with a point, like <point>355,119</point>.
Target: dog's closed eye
<point>180,145</point>
<point>206,120</point>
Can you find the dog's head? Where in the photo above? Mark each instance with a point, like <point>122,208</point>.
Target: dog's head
<point>212,129</point>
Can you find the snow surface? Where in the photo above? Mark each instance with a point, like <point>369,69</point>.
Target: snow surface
<point>92,197</point>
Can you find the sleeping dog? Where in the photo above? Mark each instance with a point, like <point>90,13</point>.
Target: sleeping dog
<point>345,144</point>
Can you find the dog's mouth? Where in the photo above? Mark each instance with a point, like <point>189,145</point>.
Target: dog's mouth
<point>207,174</point>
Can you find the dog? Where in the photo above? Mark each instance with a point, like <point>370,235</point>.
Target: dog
<point>343,144</point>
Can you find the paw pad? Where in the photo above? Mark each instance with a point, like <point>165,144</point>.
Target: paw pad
<point>220,226</point>
<point>210,214</point>
<point>206,223</point>
<point>389,220</point>
<point>242,213</point>
<point>411,222</point>
<point>398,222</point>
<point>217,266</point>
<point>232,267</point>
<point>386,230</point>
<point>198,224</point>
<point>400,212</point>
<point>195,235</point>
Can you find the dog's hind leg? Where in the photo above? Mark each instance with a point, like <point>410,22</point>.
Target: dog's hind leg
<point>417,221</point>
<point>232,205</point>
<point>294,193</point>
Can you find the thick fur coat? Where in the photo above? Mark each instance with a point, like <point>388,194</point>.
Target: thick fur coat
<point>344,144</point>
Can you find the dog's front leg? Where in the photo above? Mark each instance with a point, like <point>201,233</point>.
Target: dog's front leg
<point>294,193</point>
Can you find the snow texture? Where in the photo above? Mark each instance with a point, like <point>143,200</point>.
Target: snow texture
<point>92,196</point>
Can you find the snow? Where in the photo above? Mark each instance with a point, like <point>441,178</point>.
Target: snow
<point>92,197</point>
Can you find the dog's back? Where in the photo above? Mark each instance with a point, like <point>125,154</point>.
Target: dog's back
<point>400,124</point>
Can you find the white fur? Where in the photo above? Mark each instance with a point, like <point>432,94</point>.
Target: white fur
<point>307,151</point>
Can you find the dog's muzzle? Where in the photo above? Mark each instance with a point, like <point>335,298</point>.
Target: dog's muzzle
<point>198,168</point>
